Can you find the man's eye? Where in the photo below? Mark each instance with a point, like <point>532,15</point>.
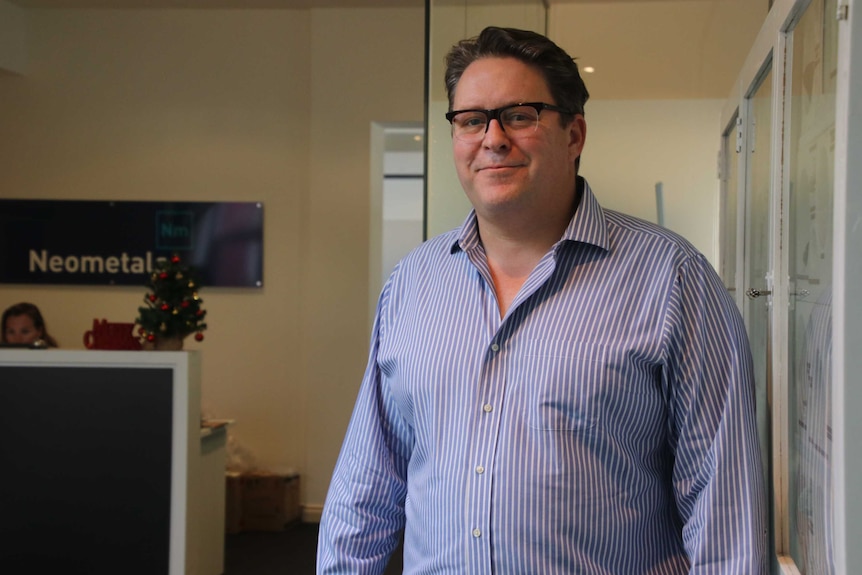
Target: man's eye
<point>472,121</point>
<point>520,118</point>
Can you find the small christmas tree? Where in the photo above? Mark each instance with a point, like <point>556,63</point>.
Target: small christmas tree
<point>173,307</point>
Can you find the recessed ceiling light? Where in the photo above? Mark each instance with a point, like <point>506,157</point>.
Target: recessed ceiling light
<point>589,69</point>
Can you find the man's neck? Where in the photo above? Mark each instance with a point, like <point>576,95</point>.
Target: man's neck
<point>515,245</point>
<point>515,240</point>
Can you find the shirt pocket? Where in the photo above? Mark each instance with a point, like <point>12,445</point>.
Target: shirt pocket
<point>563,384</point>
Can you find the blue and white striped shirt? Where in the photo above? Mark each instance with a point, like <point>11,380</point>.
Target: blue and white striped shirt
<point>604,425</point>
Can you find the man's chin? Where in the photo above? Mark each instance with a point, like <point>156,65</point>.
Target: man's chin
<point>496,198</point>
<point>490,186</point>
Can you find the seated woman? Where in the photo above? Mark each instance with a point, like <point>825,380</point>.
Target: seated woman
<point>23,325</point>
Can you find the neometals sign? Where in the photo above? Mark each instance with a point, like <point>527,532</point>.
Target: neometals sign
<point>119,243</point>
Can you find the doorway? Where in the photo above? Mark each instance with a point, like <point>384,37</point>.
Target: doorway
<point>397,202</point>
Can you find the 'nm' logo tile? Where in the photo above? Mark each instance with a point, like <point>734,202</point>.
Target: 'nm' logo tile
<point>174,230</point>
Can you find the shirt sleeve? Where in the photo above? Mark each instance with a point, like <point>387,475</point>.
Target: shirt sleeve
<point>717,476</point>
<point>363,515</point>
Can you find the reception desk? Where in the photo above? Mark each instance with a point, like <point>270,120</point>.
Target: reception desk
<point>106,467</point>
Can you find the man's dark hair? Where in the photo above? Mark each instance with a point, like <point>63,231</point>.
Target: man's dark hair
<point>558,68</point>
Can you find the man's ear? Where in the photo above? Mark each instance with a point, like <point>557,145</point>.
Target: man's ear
<point>577,135</point>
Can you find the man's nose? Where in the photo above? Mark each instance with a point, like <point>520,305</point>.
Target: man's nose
<point>495,133</point>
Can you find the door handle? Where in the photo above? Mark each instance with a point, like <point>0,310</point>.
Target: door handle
<point>756,293</point>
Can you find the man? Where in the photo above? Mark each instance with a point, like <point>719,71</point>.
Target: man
<point>553,388</point>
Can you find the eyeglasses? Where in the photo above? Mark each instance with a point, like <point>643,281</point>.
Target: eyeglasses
<point>514,119</point>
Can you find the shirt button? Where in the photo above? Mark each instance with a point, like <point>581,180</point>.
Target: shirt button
<point>477,533</point>
<point>495,347</point>
<point>480,470</point>
<point>488,408</point>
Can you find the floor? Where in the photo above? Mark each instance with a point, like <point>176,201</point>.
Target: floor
<point>288,552</point>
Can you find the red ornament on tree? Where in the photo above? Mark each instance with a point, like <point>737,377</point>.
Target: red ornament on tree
<point>163,275</point>
<point>199,336</point>
<point>165,307</point>
<point>175,259</point>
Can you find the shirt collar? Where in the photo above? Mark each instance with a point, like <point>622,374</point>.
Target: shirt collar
<point>587,225</point>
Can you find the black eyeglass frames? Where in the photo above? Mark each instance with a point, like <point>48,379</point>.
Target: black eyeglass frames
<point>471,125</point>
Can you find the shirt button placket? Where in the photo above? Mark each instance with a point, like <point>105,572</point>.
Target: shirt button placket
<point>480,516</point>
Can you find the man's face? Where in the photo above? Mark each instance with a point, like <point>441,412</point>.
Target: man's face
<point>524,174</point>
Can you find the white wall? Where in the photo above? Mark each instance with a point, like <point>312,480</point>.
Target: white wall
<point>632,144</point>
<point>663,70</point>
<point>156,105</point>
<point>367,65</point>
<point>216,105</point>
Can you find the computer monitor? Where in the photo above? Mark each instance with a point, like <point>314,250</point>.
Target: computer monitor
<point>94,474</point>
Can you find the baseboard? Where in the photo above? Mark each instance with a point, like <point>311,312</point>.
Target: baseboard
<point>311,513</point>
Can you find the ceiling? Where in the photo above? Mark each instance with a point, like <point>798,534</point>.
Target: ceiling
<point>277,4</point>
<point>215,4</point>
<point>640,49</point>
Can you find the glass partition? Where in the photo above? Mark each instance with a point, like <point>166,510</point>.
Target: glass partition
<point>811,146</point>
<point>789,160</point>
<point>450,21</point>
